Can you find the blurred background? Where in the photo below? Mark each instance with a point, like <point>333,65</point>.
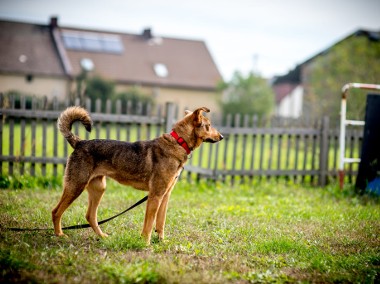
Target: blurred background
<point>282,58</point>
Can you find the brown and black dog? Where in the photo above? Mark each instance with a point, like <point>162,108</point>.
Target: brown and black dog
<point>152,166</point>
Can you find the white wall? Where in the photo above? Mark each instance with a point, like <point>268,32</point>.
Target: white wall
<point>291,105</point>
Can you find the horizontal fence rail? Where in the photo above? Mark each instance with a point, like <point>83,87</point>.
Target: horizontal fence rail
<point>298,154</point>
<point>32,145</point>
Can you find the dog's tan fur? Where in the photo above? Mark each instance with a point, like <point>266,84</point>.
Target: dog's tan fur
<point>151,166</point>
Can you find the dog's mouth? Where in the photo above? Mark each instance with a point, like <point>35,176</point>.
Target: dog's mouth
<point>210,140</point>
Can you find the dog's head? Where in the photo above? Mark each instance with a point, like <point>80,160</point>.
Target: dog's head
<point>198,128</point>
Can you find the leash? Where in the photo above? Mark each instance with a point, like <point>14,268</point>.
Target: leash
<point>82,226</point>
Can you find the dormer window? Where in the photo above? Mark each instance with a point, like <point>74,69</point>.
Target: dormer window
<point>161,70</point>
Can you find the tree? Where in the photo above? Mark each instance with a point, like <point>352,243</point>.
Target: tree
<point>356,59</point>
<point>134,96</point>
<point>247,95</point>
<point>99,88</point>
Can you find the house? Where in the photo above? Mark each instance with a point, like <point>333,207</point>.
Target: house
<point>29,62</point>
<point>46,60</point>
<point>289,93</point>
<point>292,89</point>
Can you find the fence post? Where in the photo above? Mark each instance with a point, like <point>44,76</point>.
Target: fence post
<point>324,151</point>
<point>169,119</point>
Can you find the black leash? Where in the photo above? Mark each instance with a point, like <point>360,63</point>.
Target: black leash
<point>75,227</point>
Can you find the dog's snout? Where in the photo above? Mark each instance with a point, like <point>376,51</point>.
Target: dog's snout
<point>221,136</point>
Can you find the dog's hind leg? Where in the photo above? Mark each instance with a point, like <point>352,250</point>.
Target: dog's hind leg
<point>96,188</point>
<point>70,192</point>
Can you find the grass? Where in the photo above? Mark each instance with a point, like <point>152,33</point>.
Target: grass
<point>265,233</point>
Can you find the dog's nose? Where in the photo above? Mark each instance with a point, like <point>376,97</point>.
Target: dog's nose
<point>221,136</point>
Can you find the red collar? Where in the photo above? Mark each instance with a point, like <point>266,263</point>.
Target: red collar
<point>181,141</point>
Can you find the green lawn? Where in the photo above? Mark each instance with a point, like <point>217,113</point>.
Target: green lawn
<point>265,233</point>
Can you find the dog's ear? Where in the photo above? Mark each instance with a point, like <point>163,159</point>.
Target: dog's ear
<point>197,114</point>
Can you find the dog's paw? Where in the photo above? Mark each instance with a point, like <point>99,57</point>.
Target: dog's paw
<point>103,235</point>
<point>157,240</point>
<point>162,241</point>
<point>62,235</point>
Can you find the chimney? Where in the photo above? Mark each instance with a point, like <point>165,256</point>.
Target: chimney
<point>53,22</point>
<point>147,33</point>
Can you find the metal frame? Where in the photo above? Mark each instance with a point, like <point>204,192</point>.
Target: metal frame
<point>344,122</point>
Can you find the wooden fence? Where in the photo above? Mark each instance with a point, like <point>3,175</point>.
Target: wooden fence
<point>31,144</point>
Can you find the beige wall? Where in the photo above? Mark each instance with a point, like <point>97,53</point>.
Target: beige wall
<point>184,99</point>
<point>59,87</point>
<point>38,86</point>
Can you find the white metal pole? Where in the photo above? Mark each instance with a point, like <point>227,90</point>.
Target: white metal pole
<point>342,138</point>
<point>344,122</point>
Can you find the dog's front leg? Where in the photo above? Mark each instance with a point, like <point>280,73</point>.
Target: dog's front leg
<point>150,216</point>
<point>161,215</point>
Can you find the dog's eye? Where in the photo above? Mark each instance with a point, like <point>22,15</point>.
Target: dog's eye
<point>207,127</point>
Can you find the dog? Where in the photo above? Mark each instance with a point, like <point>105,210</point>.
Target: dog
<point>152,166</point>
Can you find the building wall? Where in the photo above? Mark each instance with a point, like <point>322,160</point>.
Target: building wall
<point>60,87</point>
<point>291,105</point>
<point>183,98</point>
<point>35,86</point>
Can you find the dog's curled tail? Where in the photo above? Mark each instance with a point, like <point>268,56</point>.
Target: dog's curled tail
<point>66,120</point>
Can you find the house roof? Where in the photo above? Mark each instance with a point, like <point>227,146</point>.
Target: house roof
<point>125,58</point>
<point>282,90</point>
<point>188,62</point>
<point>28,49</point>
<point>293,76</point>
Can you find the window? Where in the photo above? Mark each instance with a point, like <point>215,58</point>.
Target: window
<point>71,42</point>
<point>92,42</point>
<point>29,78</point>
